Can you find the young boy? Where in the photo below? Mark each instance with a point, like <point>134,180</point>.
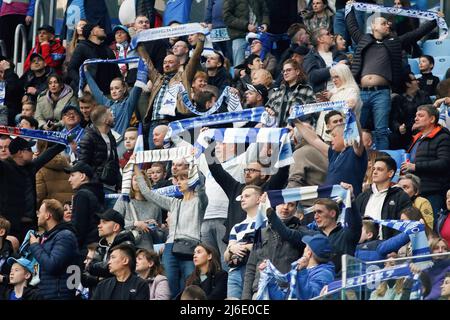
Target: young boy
<point>21,274</point>
<point>156,173</point>
<point>6,251</point>
<point>28,110</point>
<point>130,138</point>
<point>428,82</point>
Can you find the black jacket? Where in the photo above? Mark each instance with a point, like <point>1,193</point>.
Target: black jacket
<point>396,200</point>
<point>13,95</point>
<point>316,69</point>
<point>432,161</point>
<point>215,285</point>
<point>18,189</point>
<point>280,252</point>
<point>103,73</point>
<point>134,288</point>
<point>394,46</point>
<point>6,251</point>
<point>87,201</point>
<point>94,151</point>
<point>28,79</point>
<point>220,80</point>
<point>29,293</point>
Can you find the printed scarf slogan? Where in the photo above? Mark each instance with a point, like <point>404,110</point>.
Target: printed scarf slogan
<point>351,132</point>
<point>249,135</point>
<point>141,78</point>
<point>427,15</point>
<point>258,114</point>
<point>170,100</point>
<point>51,136</point>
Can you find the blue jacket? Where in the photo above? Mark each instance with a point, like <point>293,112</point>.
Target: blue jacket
<point>214,13</point>
<point>378,249</point>
<point>309,282</point>
<point>58,251</point>
<point>121,110</point>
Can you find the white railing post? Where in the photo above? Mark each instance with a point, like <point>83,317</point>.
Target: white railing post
<point>38,19</point>
<point>20,31</point>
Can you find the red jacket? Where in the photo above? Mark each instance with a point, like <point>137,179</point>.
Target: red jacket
<point>54,54</point>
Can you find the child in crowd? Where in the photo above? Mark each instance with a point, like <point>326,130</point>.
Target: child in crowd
<point>428,82</point>
<point>130,138</point>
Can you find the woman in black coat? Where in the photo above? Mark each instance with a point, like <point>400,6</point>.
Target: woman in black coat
<point>208,273</point>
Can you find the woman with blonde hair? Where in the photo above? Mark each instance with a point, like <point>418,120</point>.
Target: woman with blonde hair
<point>346,90</point>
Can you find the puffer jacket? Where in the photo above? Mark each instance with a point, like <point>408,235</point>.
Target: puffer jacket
<point>52,182</point>
<point>236,15</point>
<point>432,159</point>
<point>57,250</point>
<point>94,151</point>
<point>47,109</point>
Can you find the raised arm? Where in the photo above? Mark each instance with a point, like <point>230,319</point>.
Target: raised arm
<point>312,138</point>
<point>96,92</point>
<point>352,26</point>
<point>161,201</point>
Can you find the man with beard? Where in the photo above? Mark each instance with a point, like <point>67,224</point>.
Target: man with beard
<point>93,47</point>
<point>98,149</point>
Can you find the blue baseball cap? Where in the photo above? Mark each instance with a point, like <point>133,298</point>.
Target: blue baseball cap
<point>27,264</point>
<point>319,244</point>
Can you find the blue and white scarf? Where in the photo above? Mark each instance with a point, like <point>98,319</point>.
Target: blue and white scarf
<point>271,273</point>
<point>413,13</point>
<point>444,116</point>
<point>2,92</point>
<point>170,100</point>
<point>51,136</point>
<point>351,132</point>
<point>258,114</point>
<point>249,135</point>
<point>169,191</point>
<point>141,79</point>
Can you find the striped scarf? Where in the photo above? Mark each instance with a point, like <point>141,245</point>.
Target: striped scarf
<point>170,100</point>
<point>51,136</point>
<point>249,135</point>
<point>258,114</point>
<point>169,191</point>
<point>444,116</point>
<point>427,15</point>
<point>270,274</point>
<point>351,132</point>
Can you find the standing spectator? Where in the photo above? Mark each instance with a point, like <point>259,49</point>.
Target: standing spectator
<point>121,46</point>
<point>125,284</point>
<point>430,155</point>
<point>86,103</point>
<point>214,20</point>
<point>255,96</point>
<point>319,16</point>
<point>410,183</point>
<point>129,142</point>
<point>13,13</point>
<point>208,273</point>
<point>21,274</point>
<point>98,149</point>
<point>4,147</point>
<point>87,202</point>
<point>242,16</point>
<point>181,50</point>
<point>149,268</point>
<point>261,45</point>
<point>185,223</point>
<point>93,47</point>
<point>445,288</point>
<point>6,251</point>
<point>18,184</point>
<point>55,250</point>
<point>217,74</point>
<point>10,93</point>
<point>377,67</point>
<point>51,102</point>
<point>51,180</point>
<point>34,82</point>
<point>77,37</point>
<point>293,90</point>
<point>49,47</point>
<point>381,201</point>
<point>428,82</point>
<point>71,118</point>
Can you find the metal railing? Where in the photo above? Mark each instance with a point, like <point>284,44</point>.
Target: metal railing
<point>2,48</point>
<point>20,31</point>
<point>38,19</point>
<point>52,9</point>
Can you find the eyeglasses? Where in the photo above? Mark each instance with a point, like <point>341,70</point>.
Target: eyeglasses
<point>251,170</point>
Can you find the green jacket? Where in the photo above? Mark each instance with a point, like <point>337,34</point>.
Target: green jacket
<point>236,15</point>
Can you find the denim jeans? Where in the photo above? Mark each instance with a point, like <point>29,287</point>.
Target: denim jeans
<point>177,270</point>
<point>377,105</point>
<point>236,282</point>
<point>437,201</point>
<point>238,46</point>
<point>212,233</point>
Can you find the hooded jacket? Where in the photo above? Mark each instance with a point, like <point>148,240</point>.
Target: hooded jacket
<point>57,250</point>
<point>53,53</point>
<point>47,109</point>
<point>88,200</point>
<point>52,182</point>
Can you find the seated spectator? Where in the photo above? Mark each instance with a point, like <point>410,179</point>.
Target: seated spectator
<point>157,173</point>
<point>34,81</point>
<point>51,102</point>
<point>208,273</point>
<point>443,222</point>
<point>388,290</point>
<point>142,217</point>
<point>67,205</point>
<point>381,201</point>
<point>193,292</point>
<point>121,46</point>
<point>149,268</point>
<point>244,72</point>
<point>28,109</point>
<point>445,288</point>
<point>71,119</point>
<point>19,279</point>
<point>6,250</point>
<point>410,183</point>
<point>255,96</point>
<point>428,82</point>
<point>263,77</point>
<point>49,47</point>
<point>129,142</point>
<point>125,284</point>
<point>217,74</point>
<point>56,253</point>
<point>319,15</point>
<point>198,83</point>
<point>315,270</point>
<point>11,91</point>
<point>4,147</point>
<point>86,103</point>
<point>261,45</point>
<point>51,180</point>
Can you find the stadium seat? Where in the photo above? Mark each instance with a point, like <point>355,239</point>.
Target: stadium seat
<point>436,47</point>
<point>441,64</point>
<point>414,64</point>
